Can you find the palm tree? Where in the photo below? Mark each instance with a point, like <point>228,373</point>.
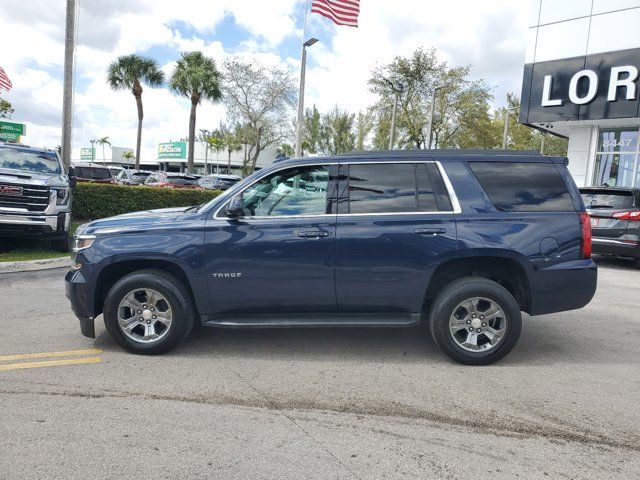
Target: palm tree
<point>232,143</point>
<point>128,155</point>
<point>103,141</point>
<point>196,77</point>
<point>217,145</point>
<point>130,73</point>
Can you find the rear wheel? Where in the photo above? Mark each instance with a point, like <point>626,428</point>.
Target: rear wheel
<point>475,321</point>
<point>149,312</point>
<point>637,262</point>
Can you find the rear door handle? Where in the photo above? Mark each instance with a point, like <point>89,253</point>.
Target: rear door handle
<point>314,234</point>
<point>430,231</point>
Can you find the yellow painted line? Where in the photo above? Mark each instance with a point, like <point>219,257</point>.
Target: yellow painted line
<point>67,353</point>
<point>49,363</point>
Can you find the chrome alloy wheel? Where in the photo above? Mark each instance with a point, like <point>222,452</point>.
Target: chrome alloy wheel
<point>477,324</point>
<point>144,315</point>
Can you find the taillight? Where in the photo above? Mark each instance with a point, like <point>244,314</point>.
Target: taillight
<point>632,216</point>
<point>585,236</point>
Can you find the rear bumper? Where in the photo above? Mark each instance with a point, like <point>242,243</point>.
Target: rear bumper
<point>608,246</point>
<point>563,286</point>
<point>81,297</point>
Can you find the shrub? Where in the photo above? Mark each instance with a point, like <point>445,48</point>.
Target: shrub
<point>94,200</point>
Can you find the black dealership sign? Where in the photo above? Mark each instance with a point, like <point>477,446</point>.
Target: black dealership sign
<point>592,87</point>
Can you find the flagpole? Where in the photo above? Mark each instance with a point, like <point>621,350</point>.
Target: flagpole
<point>303,69</point>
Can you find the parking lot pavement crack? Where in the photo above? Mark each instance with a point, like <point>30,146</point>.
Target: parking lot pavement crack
<point>296,424</point>
<point>513,428</point>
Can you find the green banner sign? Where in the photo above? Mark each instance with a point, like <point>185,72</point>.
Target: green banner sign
<point>175,150</point>
<point>13,128</point>
<point>87,153</point>
<point>9,137</point>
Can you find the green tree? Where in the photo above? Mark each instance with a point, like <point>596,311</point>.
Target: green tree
<point>364,126</point>
<point>337,132</point>
<point>128,156</point>
<point>286,149</point>
<point>196,77</point>
<point>103,141</point>
<point>130,72</point>
<point>461,102</point>
<point>6,109</point>
<point>232,141</point>
<point>312,131</point>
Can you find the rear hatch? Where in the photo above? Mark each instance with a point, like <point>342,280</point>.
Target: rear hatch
<point>604,206</point>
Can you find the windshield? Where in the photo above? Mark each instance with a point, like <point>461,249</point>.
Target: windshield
<point>34,162</point>
<point>92,173</point>
<point>140,176</point>
<point>607,199</point>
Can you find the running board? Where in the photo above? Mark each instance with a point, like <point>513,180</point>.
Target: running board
<point>313,321</point>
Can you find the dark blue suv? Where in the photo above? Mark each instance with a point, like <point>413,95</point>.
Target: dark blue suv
<point>462,240</point>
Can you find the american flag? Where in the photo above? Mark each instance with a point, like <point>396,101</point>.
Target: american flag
<point>4,81</point>
<point>342,12</point>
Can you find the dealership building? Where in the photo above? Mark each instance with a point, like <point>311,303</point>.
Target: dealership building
<point>582,81</point>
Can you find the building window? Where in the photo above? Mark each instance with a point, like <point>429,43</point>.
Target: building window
<point>617,157</point>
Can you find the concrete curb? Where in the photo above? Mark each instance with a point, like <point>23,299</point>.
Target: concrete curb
<point>34,265</point>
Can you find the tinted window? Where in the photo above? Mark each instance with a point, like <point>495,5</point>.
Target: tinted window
<point>382,188</point>
<point>426,197</point>
<point>439,188</point>
<point>92,173</point>
<point>594,199</point>
<point>523,187</point>
<point>295,191</point>
<point>178,180</point>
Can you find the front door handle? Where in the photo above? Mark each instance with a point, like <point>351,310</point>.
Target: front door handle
<point>314,234</point>
<point>430,231</point>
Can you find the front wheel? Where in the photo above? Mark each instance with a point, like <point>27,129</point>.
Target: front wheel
<point>475,321</point>
<point>148,312</point>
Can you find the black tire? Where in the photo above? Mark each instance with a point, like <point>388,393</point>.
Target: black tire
<point>636,262</point>
<point>456,292</point>
<point>61,244</point>
<point>175,293</point>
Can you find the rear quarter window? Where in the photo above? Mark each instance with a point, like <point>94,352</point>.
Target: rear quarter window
<point>523,186</point>
<point>607,199</point>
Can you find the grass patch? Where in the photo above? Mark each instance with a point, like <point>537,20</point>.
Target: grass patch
<point>19,250</point>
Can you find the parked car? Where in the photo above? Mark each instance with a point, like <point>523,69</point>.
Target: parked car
<point>35,196</point>
<point>133,177</point>
<point>172,180</point>
<point>219,182</point>
<point>615,220</point>
<point>90,173</point>
<point>115,171</point>
<point>462,240</point>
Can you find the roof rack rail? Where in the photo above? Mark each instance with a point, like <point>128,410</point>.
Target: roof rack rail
<point>477,151</point>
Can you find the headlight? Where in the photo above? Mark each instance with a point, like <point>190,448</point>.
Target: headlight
<point>82,242</point>
<point>62,195</point>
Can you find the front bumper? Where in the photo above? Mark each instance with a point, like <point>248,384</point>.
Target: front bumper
<point>81,298</point>
<point>24,224</point>
<point>609,246</point>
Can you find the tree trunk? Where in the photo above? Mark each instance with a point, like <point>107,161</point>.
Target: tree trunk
<point>229,163</point>
<point>192,133</point>
<point>139,138</point>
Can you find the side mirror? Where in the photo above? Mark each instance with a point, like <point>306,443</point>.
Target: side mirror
<point>235,208</point>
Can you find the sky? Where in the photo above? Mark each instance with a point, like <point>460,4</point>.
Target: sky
<point>489,35</point>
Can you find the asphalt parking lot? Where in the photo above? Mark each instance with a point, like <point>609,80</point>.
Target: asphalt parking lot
<point>319,403</point>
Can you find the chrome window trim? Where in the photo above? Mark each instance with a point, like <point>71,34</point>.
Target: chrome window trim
<point>450,191</point>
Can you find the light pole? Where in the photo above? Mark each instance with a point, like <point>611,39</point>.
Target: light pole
<point>93,149</point>
<point>303,70</point>
<point>67,96</point>
<point>432,114</point>
<point>397,88</point>
<point>505,135</point>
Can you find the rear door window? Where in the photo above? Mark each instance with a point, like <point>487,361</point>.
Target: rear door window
<point>396,188</point>
<point>607,199</point>
<point>523,186</point>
